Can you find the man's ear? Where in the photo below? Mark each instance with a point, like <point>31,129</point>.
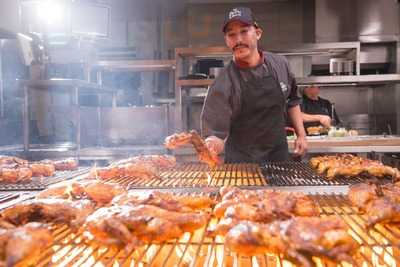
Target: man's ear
<point>259,32</point>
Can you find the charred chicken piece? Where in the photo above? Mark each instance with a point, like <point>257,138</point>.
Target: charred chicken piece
<point>382,210</point>
<point>167,201</point>
<point>361,194</point>
<point>101,193</point>
<point>105,173</point>
<point>132,225</point>
<point>48,210</point>
<point>42,169</point>
<point>351,166</point>
<point>15,174</point>
<point>205,155</point>
<point>22,246</point>
<point>98,192</point>
<point>143,167</point>
<point>295,238</point>
<point>8,160</point>
<point>379,209</point>
<point>69,164</point>
<point>143,170</point>
<point>60,192</point>
<point>161,162</point>
<point>267,204</point>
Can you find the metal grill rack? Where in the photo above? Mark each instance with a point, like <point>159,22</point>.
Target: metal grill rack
<point>41,183</point>
<point>379,246</point>
<point>199,175</point>
<point>302,174</point>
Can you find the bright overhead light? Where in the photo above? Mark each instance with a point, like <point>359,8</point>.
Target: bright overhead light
<point>51,12</point>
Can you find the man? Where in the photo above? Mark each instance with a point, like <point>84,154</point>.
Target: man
<point>244,111</point>
<point>316,110</point>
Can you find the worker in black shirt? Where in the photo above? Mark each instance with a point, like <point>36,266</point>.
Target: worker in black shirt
<point>245,108</point>
<point>316,110</point>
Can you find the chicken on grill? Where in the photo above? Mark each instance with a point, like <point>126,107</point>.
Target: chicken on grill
<point>15,174</point>
<point>205,155</point>
<point>21,246</point>
<point>272,204</point>
<point>296,238</point>
<point>98,192</point>
<point>143,167</point>
<point>380,204</point>
<point>48,210</point>
<point>167,201</point>
<point>132,225</point>
<point>350,166</point>
<point>42,169</point>
<point>7,160</point>
<point>15,170</point>
<point>65,164</point>
<point>162,162</point>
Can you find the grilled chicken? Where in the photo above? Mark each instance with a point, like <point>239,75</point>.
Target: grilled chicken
<point>271,204</point>
<point>162,162</point>
<point>143,167</point>
<point>8,160</point>
<point>48,210</point>
<point>295,238</point>
<point>98,192</point>
<point>105,173</point>
<point>132,225</point>
<point>205,155</point>
<point>167,201</point>
<point>42,169</point>
<point>351,166</point>
<point>21,246</point>
<point>65,164</point>
<point>15,174</point>
<point>383,208</point>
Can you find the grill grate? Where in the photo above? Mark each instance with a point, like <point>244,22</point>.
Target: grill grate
<point>41,183</point>
<point>302,174</point>
<point>199,175</point>
<point>380,246</point>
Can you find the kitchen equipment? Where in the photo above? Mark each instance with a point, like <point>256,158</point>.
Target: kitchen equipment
<point>341,66</point>
<point>204,65</point>
<point>215,71</point>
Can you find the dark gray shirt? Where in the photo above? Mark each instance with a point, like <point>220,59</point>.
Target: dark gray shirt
<point>223,101</point>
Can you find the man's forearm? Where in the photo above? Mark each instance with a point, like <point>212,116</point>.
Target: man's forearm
<point>309,118</point>
<point>296,117</point>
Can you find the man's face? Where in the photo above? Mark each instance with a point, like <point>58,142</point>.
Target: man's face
<point>242,39</point>
<point>312,92</point>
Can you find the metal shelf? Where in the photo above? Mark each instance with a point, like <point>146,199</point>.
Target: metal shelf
<point>135,65</point>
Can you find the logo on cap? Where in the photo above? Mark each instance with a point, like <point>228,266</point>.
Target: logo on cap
<point>235,13</point>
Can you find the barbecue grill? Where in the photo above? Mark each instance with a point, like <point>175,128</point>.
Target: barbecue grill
<point>302,174</point>
<point>198,175</point>
<point>41,183</point>
<point>379,246</point>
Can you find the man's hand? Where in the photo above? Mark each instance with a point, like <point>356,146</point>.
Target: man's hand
<point>325,120</point>
<point>300,146</point>
<point>215,144</point>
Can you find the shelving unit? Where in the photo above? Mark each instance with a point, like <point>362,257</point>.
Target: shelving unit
<point>183,86</point>
<point>335,49</point>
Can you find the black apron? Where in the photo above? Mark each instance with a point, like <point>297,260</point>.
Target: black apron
<point>258,134</point>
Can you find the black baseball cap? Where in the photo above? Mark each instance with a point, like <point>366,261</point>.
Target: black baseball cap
<point>242,14</point>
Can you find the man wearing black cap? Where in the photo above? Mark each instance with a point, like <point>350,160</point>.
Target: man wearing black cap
<point>245,109</point>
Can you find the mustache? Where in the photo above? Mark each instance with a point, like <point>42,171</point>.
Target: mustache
<point>239,46</point>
